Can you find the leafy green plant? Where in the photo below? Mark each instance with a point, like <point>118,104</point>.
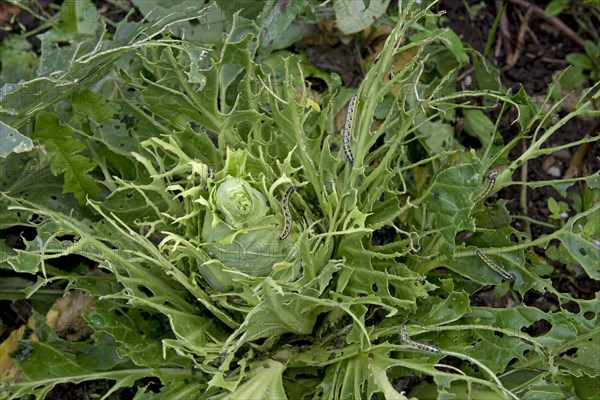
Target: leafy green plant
<point>556,7</point>
<point>177,195</point>
<point>584,66</point>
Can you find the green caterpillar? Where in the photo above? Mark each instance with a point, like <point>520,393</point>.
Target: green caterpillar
<point>495,267</point>
<point>348,128</point>
<point>404,338</point>
<point>492,176</point>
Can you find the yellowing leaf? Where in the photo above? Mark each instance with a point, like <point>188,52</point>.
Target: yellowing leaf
<point>9,370</point>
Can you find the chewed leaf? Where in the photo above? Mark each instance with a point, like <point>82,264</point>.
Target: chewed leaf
<point>265,382</point>
<point>449,200</point>
<point>12,141</point>
<point>474,268</point>
<point>586,253</point>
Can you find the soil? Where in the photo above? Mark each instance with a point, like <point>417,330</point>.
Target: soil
<point>542,57</point>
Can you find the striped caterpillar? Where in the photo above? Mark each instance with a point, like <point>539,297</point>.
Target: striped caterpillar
<point>348,128</point>
<point>209,175</point>
<point>492,176</point>
<point>404,338</point>
<point>287,217</point>
<point>495,267</point>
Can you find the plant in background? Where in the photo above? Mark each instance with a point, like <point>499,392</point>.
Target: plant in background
<point>248,249</point>
<point>584,68</point>
<point>584,65</point>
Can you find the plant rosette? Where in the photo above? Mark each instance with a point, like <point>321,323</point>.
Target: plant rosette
<point>241,231</point>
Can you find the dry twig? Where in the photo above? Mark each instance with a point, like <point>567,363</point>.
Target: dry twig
<point>577,163</point>
<point>505,31</point>
<point>520,40</point>
<point>553,20</point>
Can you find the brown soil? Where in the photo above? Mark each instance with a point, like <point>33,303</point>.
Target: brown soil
<point>542,58</point>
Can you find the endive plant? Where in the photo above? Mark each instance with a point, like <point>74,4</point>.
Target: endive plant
<point>221,281</point>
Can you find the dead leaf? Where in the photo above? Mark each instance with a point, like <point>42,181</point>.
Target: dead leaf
<point>64,317</point>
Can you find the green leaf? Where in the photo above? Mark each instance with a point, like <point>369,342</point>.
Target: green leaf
<point>586,388</point>
<point>92,105</point>
<point>58,77</point>
<point>155,9</point>
<point>587,254</point>
<point>455,45</point>
<point>18,60</point>
<point>77,16</point>
<point>23,177</point>
<point>210,21</point>
<point>265,382</point>
<point>527,110</point>
<point>557,208</point>
<point>198,145</point>
<point>487,76</point>
<point>352,16</point>
<point>131,331</point>
<point>573,77</point>
<point>438,135</point>
<point>592,49</point>
<point>449,309</point>
<point>63,151</point>
<point>449,200</point>
<point>277,314</point>
<point>12,141</point>
<point>130,205</point>
<point>25,262</point>
<point>497,350</point>
<point>543,390</point>
<point>478,125</point>
<point>585,360</point>
<point>580,60</point>
<point>275,23</point>
<point>594,2</point>
<point>116,136</point>
<point>41,361</point>
<point>45,366</point>
<point>555,7</point>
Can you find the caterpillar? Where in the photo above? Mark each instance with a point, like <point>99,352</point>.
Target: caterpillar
<point>287,217</point>
<point>404,338</point>
<point>209,175</point>
<point>348,128</point>
<point>495,267</point>
<point>492,178</point>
